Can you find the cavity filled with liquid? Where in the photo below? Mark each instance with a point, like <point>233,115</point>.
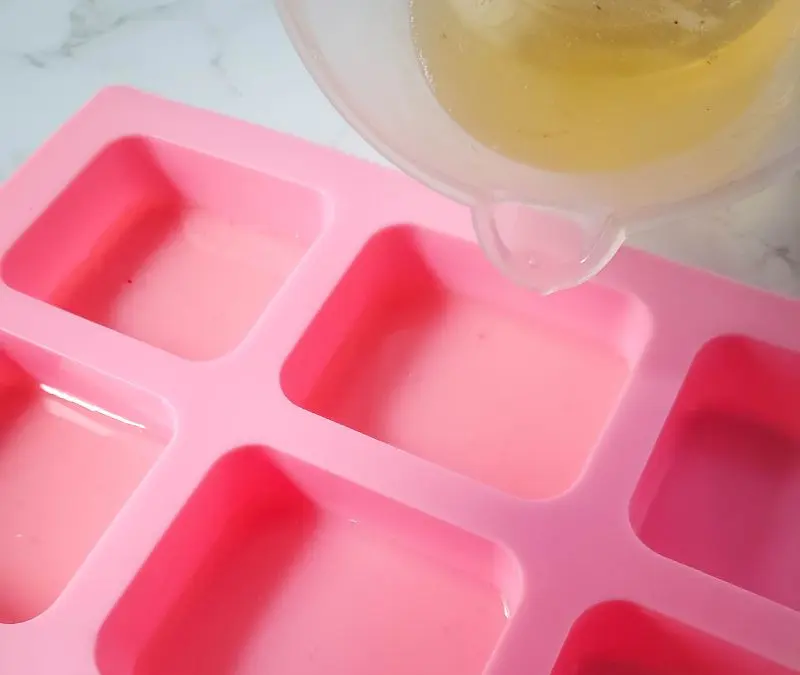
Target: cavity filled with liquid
<point>592,85</point>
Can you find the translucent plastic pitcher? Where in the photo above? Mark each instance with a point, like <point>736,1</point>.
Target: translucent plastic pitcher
<point>565,124</point>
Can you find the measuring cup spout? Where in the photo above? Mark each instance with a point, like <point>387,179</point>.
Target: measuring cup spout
<point>543,249</point>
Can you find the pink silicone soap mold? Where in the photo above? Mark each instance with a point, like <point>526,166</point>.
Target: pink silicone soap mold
<point>266,410</point>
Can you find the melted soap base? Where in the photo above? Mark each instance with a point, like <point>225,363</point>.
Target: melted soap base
<point>588,85</point>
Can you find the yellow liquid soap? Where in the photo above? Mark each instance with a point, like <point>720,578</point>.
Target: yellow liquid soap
<point>599,85</point>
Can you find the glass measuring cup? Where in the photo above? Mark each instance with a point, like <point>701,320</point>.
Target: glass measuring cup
<point>552,210</point>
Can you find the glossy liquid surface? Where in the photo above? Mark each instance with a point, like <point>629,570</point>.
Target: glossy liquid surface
<point>475,390</point>
<point>309,594</point>
<point>587,85</point>
<point>66,468</point>
<point>187,281</point>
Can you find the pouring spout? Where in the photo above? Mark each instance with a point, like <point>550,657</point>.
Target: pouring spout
<point>542,249</point>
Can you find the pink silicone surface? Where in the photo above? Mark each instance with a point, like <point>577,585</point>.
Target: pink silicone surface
<point>267,410</point>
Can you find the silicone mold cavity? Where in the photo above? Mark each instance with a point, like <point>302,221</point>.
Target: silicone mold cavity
<point>73,447</point>
<point>167,245</point>
<point>424,347</point>
<point>276,567</point>
<point>620,638</point>
<point>722,490</point>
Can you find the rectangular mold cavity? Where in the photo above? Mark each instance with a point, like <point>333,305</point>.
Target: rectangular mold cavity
<point>424,346</point>
<point>172,247</point>
<point>73,447</point>
<point>721,492</point>
<point>276,567</point>
<point>619,638</point>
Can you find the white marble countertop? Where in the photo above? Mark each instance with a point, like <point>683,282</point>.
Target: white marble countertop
<point>232,56</point>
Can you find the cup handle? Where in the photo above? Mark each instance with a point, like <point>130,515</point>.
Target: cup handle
<point>543,249</point>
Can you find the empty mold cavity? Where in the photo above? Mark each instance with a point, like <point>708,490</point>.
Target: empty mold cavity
<point>425,346</point>
<point>73,446</point>
<point>172,247</point>
<point>721,492</point>
<point>622,639</point>
<point>276,567</point>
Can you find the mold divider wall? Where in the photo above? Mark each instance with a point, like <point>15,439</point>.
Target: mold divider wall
<point>712,606</point>
<point>84,342</point>
<point>680,330</point>
<point>397,475</point>
<point>615,468</point>
<point>142,522</point>
<point>260,357</point>
<point>582,572</point>
<point>547,614</point>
